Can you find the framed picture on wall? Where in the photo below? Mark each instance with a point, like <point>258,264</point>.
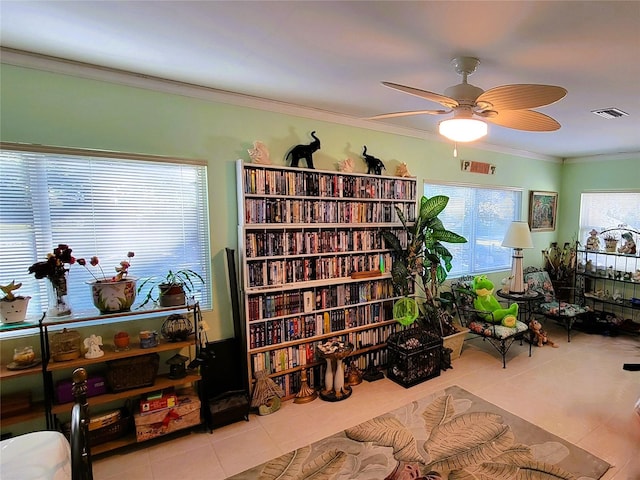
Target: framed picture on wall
<point>543,207</point>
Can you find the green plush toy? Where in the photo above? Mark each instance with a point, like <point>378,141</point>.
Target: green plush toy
<point>486,301</point>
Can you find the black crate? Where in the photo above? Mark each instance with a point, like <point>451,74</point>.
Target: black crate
<point>414,356</point>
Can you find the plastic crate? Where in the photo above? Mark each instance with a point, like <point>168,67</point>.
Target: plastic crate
<point>414,356</point>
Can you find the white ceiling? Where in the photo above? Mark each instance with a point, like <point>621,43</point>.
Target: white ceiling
<point>332,56</point>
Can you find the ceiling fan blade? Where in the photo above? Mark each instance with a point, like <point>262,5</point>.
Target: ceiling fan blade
<point>525,120</point>
<point>520,97</point>
<point>406,114</point>
<point>434,97</point>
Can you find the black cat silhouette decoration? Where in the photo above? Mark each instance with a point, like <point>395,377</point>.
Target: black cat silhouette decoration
<point>304,151</point>
<point>374,165</point>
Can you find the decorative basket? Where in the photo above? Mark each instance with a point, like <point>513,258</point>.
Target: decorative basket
<point>111,432</point>
<point>135,372</point>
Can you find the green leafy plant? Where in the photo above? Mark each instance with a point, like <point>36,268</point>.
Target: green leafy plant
<point>156,285</point>
<point>424,259</point>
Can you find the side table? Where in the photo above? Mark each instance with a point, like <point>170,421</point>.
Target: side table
<point>525,303</point>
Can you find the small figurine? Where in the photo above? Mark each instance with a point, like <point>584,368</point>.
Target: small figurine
<point>259,153</point>
<point>402,170</point>
<point>347,165</point>
<point>593,242</point>
<point>629,246</point>
<point>93,344</point>
<point>304,152</point>
<point>610,272</point>
<point>636,276</point>
<point>589,268</point>
<point>374,165</point>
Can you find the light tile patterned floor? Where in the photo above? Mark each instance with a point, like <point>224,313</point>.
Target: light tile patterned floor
<point>578,391</point>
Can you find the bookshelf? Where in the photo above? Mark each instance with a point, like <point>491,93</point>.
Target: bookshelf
<point>305,238</point>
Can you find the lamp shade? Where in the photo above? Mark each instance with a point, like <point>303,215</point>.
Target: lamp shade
<point>518,236</point>
<point>463,129</point>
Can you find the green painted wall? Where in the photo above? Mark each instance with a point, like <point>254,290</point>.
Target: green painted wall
<point>59,110</point>
<point>590,176</point>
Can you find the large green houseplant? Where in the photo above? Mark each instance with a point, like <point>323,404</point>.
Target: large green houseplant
<point>424,261</point>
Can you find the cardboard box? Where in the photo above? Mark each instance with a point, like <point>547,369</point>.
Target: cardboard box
<point>161,422</point>
<point>168,399</point>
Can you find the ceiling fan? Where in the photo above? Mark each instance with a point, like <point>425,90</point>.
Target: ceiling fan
<point>507,105</point>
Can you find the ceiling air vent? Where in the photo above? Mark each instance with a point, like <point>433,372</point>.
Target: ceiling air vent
<point>610,113</point>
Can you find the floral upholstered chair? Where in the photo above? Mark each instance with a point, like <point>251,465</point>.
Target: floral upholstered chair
<point>499,337</point>
<point>549,306</point>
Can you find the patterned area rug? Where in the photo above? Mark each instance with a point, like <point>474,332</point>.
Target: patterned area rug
<point>451,434</point>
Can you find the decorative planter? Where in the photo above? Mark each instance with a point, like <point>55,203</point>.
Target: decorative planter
<point>455,341</point>
<point>14,311</point>
<point>114,297</point>
<point>610,245</point>
<point>171,295</point>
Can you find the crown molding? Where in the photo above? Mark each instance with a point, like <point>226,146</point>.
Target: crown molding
<point>63,66</point>
<point>604,157</point>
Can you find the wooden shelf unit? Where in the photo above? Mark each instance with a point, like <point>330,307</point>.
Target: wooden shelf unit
<point>52,410</point>
<point>302,234</point>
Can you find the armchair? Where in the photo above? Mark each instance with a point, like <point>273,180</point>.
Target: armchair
<point>551,307</point>
<point>499,337</point>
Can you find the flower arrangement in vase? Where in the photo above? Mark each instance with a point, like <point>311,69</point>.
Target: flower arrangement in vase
<point>13,308</point>
<point>112,294</point>
<point>54,269</point>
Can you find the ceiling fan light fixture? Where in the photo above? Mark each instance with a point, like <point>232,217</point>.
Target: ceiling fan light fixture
<point>463,129</point>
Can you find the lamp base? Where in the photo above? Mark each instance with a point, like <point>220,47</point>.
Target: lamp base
<point>517,275</point>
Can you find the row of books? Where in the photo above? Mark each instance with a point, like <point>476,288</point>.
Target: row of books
<point>304,183</point>
<point>282,359</point>
<point>305,242</point>
<point>270,305</point>
<point>274,332</point>
<point>280,272</point>
<point>285,210</point>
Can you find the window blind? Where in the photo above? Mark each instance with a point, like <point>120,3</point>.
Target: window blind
<point>104,207</point>
<point>482,215</point>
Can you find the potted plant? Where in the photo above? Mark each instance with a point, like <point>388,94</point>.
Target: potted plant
<point>13,308</point>
<point>560,263</point>
<point>610,242</point>
<point>426,260</point>
<point>171,289</point>
<point>112,294</point>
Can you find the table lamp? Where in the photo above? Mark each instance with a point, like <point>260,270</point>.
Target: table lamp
<point>518,237</point>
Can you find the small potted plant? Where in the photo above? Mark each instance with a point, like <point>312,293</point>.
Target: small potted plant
<point>112,294</point>
<point>13,308</point>
<point>610,242</point>
<point>171,289</point>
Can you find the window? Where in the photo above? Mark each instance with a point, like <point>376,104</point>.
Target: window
<point>101,206</point>
<point>482,215</point>
<point>602,210</point>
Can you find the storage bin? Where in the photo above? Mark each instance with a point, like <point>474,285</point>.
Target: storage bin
<point>413,356</point>
<point>96,385</point>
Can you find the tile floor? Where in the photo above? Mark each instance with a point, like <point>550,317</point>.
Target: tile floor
<point>578,391</point>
